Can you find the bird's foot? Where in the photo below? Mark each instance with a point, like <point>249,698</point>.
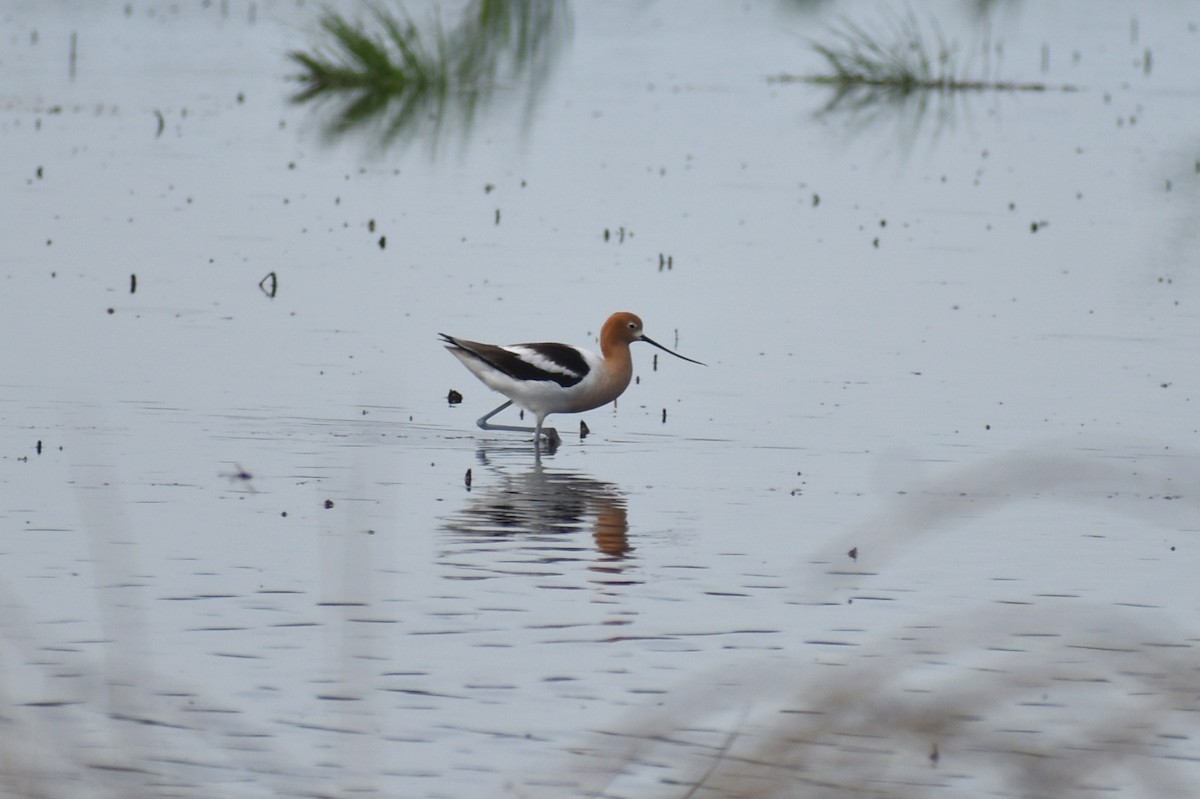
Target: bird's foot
<point>552,439</point>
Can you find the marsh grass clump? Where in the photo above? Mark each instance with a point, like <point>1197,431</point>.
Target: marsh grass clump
<point>385,66</point>
<point>392,59</point>
<point>900,58</point>
<point>904,60</point>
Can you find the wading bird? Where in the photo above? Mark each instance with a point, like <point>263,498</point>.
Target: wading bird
<point>555,378</point>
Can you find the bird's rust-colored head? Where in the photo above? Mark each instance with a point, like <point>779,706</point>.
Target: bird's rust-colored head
<point>622,329</point>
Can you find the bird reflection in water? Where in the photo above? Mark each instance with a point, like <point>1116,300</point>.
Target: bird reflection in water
<point>525,519</point>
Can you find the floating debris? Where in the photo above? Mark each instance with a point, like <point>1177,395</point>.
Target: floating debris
<point>269,284</point>
<point>240,475</point>
<point>583,430</point>
<point>467,479</point>
<point>853,553</point>
<point>453,397</point>
<point>133,284</point>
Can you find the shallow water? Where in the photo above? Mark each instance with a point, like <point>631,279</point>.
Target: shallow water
<point>957,335</point>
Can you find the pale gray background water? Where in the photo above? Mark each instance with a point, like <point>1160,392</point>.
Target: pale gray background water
<point>868,288</point>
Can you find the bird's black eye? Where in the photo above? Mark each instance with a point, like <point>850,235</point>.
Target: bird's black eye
<point>633,325</point>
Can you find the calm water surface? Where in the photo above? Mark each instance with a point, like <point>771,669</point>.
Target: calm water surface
<point>926,524</point>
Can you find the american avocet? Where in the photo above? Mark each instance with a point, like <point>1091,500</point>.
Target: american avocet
<point>555,378</point>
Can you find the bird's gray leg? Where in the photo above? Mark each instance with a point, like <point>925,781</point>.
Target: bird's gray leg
<point>482,421</point>
<point>549,432</point>
<point>552,439</point>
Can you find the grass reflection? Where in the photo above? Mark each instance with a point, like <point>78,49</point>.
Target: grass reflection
<point>399,80</point>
